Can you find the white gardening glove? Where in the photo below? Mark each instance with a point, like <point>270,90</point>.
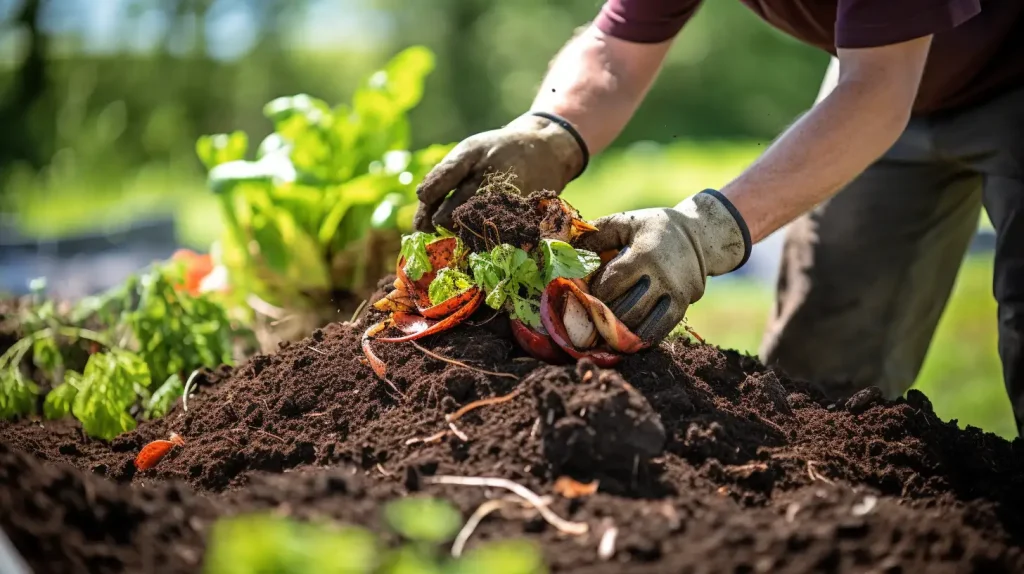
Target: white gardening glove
<point>666,256</point>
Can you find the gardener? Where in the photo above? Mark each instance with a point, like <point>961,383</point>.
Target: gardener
<point>919,123</point>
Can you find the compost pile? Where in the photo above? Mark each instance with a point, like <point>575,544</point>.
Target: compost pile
<point>703,459</point>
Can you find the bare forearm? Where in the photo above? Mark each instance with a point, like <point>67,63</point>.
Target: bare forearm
<point>596,82</point>
<point>819,154</point>
<point>837,140</point>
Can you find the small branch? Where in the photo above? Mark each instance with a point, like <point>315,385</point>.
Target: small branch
<point>481,403</point>
<point>430,353</point>
<point>315,350</point>
<point>526,494</point>
<point>467,530</point>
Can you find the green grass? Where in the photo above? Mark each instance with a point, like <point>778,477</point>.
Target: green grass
<point>961,374</point>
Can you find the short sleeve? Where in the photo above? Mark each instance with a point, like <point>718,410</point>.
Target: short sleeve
<point>645,21</point>
<point>870,23</point>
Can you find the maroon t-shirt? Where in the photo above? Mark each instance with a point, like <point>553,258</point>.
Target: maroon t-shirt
<point>977,51</point>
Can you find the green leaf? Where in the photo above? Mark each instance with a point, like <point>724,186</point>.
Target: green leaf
<point>46,354</point>
<point>423,519</point>
<point>563,260</point>
<point>267,544</point>
<point>58,401</point>
<point>511,279</point>
<point>411,559</point>
<point>448,283</point>
<point>216,149</point>
<point>414,249</point>
<point>107,390</point>
<point>526,310</point>
<point>164,396</point>
<point>17,394</point>
<point>268,170</point>
<point>503,557</point>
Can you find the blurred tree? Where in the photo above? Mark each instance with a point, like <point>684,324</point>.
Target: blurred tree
<point>27,89</point>
<point>728,75</point>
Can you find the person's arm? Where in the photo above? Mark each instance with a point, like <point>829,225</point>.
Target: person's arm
<point>836,140</point>
<point>597,82</point>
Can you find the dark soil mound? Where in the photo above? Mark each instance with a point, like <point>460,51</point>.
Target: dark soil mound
<point>478,221</point>
<point>706,461</point>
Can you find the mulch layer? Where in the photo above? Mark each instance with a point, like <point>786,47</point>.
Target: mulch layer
<point>706,461</point>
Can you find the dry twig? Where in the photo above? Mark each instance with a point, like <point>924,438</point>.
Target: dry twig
<point>430,353</point>
<point>526,494</point>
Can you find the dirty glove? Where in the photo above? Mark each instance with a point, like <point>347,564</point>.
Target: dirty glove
<point>666,256</point>
<point>543,151</point>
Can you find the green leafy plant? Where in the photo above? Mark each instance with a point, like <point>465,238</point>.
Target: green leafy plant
<point>320,208</point>
<point>152,332</point>
<point>263,543</point>
<point>510,275</point>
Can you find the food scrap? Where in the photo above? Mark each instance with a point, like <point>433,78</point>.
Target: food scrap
<point>153,452</point>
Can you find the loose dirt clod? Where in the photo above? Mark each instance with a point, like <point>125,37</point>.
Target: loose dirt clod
<point>499,206</point>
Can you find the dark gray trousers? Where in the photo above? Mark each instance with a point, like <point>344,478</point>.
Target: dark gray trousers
<point>865,276</point>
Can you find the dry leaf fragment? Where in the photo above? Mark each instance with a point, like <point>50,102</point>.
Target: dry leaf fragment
<point>570,488</point>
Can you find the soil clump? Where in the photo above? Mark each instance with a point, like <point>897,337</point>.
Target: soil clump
<point>705,460</point>
<point>519,218</point>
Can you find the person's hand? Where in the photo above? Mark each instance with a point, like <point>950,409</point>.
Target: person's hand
<point>543,155</point>
<point>665,257</point>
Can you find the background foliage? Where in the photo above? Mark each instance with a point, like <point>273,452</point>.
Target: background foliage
<point>102,103</point>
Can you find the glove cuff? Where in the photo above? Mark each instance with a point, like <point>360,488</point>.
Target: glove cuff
<point>740,222</point>
<point>571,130</point>
<point>724,236</point>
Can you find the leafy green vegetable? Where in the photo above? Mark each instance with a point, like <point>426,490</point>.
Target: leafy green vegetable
<point>46,354</point>
<point>60,398</point>
<point>509,275</point>
<point>563,260</point>
<point>423,519</point>
<point>164,396</point>
<point>106,391</point>
<point>321,207</point>
<point>414,249</point>
<point>448,283</point>
<point>176,332</point>
<point>17,394</point>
